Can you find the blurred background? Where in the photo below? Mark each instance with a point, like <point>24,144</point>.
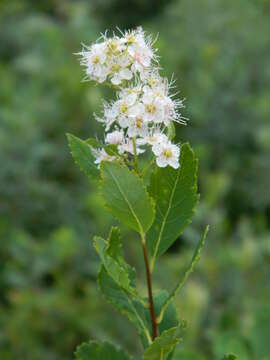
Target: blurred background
<point>219,52</point>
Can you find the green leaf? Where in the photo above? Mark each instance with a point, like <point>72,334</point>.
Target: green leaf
<point>114,245</point>
<point>100,351</point>
<point>163,345</point>
<point>124,303</point>
<point>170,318</point>
<point>111,255</point>
<point>116,281</point>
<point>94,143</point>
<point>82,155</point>
<point>126,196</point>
<point>230,357</point>
<point>175,194</point>
<point>114,249</point>
<point>113,268</point>
<point>111,149</point>
<point>195,258</point>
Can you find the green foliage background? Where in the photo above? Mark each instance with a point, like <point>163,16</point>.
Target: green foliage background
<point>219,52</point>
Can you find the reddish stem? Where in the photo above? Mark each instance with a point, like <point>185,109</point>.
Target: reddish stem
<point>150,294</point>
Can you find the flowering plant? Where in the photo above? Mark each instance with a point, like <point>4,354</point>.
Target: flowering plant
<point>148,183</point>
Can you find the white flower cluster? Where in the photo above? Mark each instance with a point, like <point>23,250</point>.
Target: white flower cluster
<point>143,109</point>
<point>118,58</point>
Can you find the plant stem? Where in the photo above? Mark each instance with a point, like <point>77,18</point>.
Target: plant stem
<point>146,261</point>
<point>136,163</point>
<point>150,293</point>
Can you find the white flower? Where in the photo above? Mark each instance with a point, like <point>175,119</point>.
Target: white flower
<point>166,154</point>
<point>158,88</point>
<point>153,107</point>
<point>137,127</point>
<point>114,46</point>
<point>132,93</point>
<point>137,110</point>
<point>155,136</point>
<point>123,107</point>
<point>110,115</point>
<point>120,71</point>
<point>116,137</point>
<point>127,146</point>
<point>101,155</point>
<point>153,79</point>
<point>139,50</point>
<point>94,60</point>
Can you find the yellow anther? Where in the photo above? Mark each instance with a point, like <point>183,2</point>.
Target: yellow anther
<point>124,108</point>
<point>96,59</point>
<point>167,153</point>
<point>116,67</point>
<point>130,39</point>
<point>139,123</point>
<point>151,108</point>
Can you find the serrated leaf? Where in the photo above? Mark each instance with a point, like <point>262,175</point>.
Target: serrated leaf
<point>113,268</point>
<point>111,255</point>
<point>114,249</point>
<point>163,345</point>
<point>100,351</point>
<point>124,303</point>
<point>195,258</point>
<point>116,281</point>
<point>114,245</point>
<point>126,196</point>
<point>175,194</point>
<point>83,157</point>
